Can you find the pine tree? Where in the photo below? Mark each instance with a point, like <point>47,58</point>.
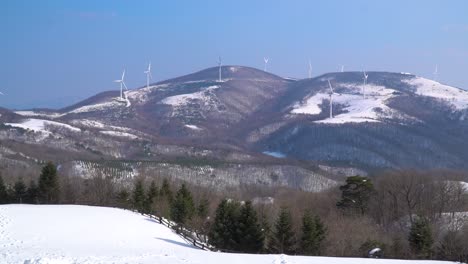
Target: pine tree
<point>282,240</point>
<point>19,191</point>
<point>182,208</point>
<point>249,230</point>
<point>49,188</point>
<point>202,209</point>
<point>3,192</point>
<point>165,200</point>
<point>151,198</point>
<point>313,233</point>
<point>223,233</point>
<point>355,194</point>
<point>420,238</point>
<point>31,193</point>
<point>138,196</point>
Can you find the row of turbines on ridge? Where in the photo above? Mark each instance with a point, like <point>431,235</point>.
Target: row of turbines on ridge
<point>265,60</point>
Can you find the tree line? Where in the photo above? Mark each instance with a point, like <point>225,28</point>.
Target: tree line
<point>407,214</point>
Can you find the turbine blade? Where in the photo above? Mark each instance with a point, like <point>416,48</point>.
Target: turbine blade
<point>123,75</point>
<point>125,86</point>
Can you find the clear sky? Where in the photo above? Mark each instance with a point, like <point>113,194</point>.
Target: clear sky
<point>54,53</point>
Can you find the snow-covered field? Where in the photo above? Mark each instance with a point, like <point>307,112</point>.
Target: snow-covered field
<point>39,125</point>
<point>66,234</point>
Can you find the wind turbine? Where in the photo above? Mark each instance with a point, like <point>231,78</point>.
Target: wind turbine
<point>310,69</point>
<point>265,59</point>
<point>122,84</point>
<point>219,65</point>
<point>436,72</point>
<point>331,93</point>
<point>148,75</point>
<point>342,68</point>
<point>365,81</point>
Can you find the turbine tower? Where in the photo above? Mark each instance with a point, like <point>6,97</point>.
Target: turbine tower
<point>148,75</point>
<point>436,72</point>
<point>342,68</point>
<point>122,84</point>
<point>265,59</point>
<point>219,65</point>
<point>331,93</point>
<point>310,69</point>
<point>365,81</point>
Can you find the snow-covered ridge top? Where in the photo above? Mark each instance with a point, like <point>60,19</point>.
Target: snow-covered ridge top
<point>363,103</point>
<point>456,97</point>
<point>183,99</point>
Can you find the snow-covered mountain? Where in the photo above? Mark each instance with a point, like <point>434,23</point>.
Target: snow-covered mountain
<point>395,120</point>
<point>76,234</point>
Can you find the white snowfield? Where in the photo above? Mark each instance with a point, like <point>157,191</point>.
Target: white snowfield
<point>72,234</point>
<point>454,96</point>
<point>368,103</point>
<point>184,99</point>
<point>39,125</point>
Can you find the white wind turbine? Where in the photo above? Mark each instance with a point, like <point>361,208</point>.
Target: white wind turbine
<point>436,72</point>
<point>310,69</point>
<point>365,81</point>
<point>331,93</point>
<point>148,75</point>
<point>265,59</point>
<point>122,84</point>
<point>219,65</point>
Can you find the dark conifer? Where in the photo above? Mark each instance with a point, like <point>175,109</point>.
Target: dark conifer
<point>283,238</point>
<point>251,237</point>
<point>49,189</point>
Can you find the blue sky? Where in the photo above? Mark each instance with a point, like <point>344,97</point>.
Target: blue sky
<point>54,53</point>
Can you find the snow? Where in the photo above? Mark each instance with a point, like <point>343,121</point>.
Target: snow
<point>95,107</point>
<point>38,125</point>
<point>275,154</point>
<point>73,234</point>
<point>194,127</point>
<point>456,97</point>
<point>119,134</point>
<point>40,114</point>
<point>362,103</point>
<point>184,99</point>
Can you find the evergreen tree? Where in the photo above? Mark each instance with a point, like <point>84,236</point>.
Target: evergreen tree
<point>182,208</point>
<point>123,199</point>
<point>19,191</point>
<point>282,240</point>
<point>138,196</point>
<point>165,200</point>
<point>31,193</point>
<point>49,188</point>
<point>166,190</point>
<point>223,233</point>
<point>355,194</point>
<point>266,229</point>
<point>313,233</point>
<point>3,192</point>
<point>249,230</point>
<point>420,238</point>
<point>151,197</point>
<point>202,209</point>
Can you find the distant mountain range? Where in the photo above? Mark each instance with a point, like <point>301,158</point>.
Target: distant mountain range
<point>395,120</point>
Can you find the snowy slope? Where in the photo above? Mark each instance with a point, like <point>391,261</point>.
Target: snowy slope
<point>66,234</point>
<point>40,125</point>
<point>369,103</point>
